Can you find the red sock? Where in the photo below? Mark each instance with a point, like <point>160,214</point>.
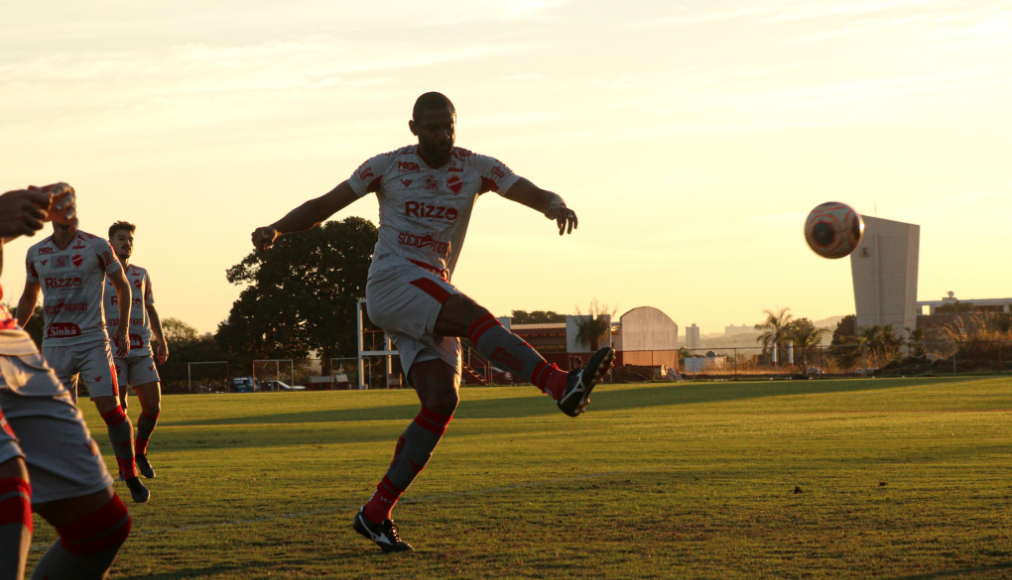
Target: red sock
<point>382,502</point>
<point>102,530</point>
<point>16,502</point>
<point>550,380</point>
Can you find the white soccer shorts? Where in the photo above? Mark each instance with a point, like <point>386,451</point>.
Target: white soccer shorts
<point>94,363</point>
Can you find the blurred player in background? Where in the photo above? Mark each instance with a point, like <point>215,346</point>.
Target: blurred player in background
<point>48,460</point>
<point>138,368</point>
<point>70,268</point>
<point>426,193</point>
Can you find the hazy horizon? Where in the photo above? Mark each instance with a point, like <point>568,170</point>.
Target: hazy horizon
<point>691,139</point>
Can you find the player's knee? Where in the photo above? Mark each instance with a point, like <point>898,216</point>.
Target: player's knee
<point>152,409</point>
<point>114,416</point>
<point>445,402</point>
<point>100,531</point>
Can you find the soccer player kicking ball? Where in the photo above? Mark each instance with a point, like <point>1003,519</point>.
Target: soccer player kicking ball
<point>43,434</point>
<point>70,268</point>
<point>138,368</point>
<point>426,193</point>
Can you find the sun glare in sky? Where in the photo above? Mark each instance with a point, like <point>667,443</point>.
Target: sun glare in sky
<point>691,137</point>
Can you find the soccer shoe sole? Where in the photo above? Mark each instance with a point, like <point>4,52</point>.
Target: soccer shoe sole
<point>363,531</point>
<point>603,359</point>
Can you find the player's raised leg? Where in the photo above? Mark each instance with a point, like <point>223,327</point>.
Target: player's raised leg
<point>461,316</point>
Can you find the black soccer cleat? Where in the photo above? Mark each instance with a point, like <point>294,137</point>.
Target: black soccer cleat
<point>138,492</point>
<point>144,466</point>
<point>581,382</point>
<point>384,534</point>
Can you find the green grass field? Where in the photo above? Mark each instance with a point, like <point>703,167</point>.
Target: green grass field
<point>900,478</point>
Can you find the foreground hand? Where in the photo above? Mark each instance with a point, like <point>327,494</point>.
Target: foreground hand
<point>163,353</point>
<point>564,217</point>
<point>63,206</point>
<point>263,238</point>
<point>22,212</point>
<point>122,342</point>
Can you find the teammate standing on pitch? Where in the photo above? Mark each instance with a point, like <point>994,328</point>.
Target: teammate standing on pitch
<point>70,268</point>
<point>43,434</point>
<point>426,193</point>
<point>138,368</point>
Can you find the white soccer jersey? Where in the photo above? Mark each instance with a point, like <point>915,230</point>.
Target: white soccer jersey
<point>424,211</point>
<point>72,280</point>
<point>140,326</point>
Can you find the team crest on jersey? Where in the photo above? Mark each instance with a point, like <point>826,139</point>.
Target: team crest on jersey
<point>78,259</point>
<point>61,262</point>
<point>431,183</point>
<point>137,284</point>
<point>455,183</point>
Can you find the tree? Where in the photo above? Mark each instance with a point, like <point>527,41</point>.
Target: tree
<point>846,327</point>
<point>302,294</point>
<point>774,328</point>
<point>805,336</point>
<point>590,329</point>
<point>537,317</point>
<point>177,332</point>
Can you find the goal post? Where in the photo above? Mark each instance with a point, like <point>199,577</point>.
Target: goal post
<point>276,364</point>
<point>203,374</point>
<point>386,351</point>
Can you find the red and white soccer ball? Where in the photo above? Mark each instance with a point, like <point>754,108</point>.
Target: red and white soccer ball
<point>833,230</point>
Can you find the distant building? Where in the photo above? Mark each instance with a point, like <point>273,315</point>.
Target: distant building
<point>692,339</point>
<point>884,271</point>
<point>732,330</point>
<point>953,312</point>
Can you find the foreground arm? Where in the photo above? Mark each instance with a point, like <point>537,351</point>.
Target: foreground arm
<point>307,216</point>
<point>123,301</point>
<point>551,204</point>
<point>156,327</point>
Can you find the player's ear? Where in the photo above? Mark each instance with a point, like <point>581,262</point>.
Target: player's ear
<point>414,129</point>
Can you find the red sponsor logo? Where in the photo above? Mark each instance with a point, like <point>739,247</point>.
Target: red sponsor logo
<point>365,172</point>
<point>498,172</point>
<point>61,262</point>
<point>455,183</point>
<point>79,246</point>
<point>135,341</point>
<point>456,170</point>
<point>501,355</point>
<point>59,308</point>
<point>112,322</point>
<point>78,259</point>
<point>137,321</point>
<point>431,183</point>
<point>408,166</point>
<point>426,241</point>
<point>406,182</point>
<point>58,283</point>
<point>45,250</point>
<point>62,329</point>
<point>421,209</point>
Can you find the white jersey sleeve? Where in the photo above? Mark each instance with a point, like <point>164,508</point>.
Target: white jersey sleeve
<point>369,175</point>
<point>106,258</point>
<point>495,176</point>
<point>149,294</point>
<point>31,274</point>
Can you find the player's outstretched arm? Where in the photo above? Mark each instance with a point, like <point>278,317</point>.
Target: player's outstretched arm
<point>307,216</point>
<point>29,298</point>
<point>123,300</point>
<point>549,203</point>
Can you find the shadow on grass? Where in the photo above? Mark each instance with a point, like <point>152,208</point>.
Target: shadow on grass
<point>960,573</point>
<point>615,399</point>
<point>189,573</point>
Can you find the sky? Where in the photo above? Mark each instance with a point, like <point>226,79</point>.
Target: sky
<point>691,138</point>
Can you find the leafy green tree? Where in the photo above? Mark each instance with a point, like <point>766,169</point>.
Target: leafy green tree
<point>537,317</point>
<point>846,327</point>
<point>774,329</point>
<point>806,337</point>
<point>301,295</point>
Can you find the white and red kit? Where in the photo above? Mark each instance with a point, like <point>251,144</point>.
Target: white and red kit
<point>138,368</point>
<point>424,213</point>
<point>73,281</point>
<point>40,423</point>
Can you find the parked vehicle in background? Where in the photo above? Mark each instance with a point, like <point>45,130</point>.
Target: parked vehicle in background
<point>244,385</point>
<point>273,385</point>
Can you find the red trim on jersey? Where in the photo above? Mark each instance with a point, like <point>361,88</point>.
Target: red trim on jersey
<point>17,507</point>
<point>429,267</point>
<point>480,327</point>
<point>432,289</point>
<point>97,532</point>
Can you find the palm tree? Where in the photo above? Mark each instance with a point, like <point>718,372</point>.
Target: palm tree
<point>597,325</point>
<point>805,336</point>
<point>774,328</point>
